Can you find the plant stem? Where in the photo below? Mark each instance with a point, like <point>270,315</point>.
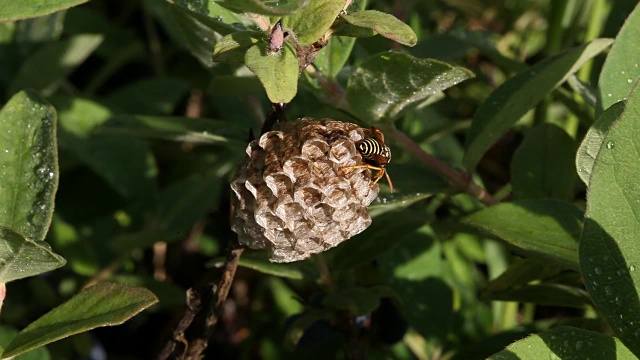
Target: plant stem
<point>457,179</point>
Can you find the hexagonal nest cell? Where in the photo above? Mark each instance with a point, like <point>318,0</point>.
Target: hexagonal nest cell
<point>292,195</point>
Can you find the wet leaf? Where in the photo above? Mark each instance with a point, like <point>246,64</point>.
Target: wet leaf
<point>592,141</point>
<point>388,83</point>
<point>621,69</point>
<point>28,164</point>
<point>609,247</point>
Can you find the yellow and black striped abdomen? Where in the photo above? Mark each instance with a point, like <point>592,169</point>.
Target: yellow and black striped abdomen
<point>373,151</point>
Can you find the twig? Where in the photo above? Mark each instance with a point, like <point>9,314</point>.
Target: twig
<point>457,179</point>
<point>196,348</point>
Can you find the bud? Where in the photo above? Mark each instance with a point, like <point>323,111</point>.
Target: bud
<point>292,196</point>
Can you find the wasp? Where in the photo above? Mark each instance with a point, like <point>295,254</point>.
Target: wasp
<point>375,154</point>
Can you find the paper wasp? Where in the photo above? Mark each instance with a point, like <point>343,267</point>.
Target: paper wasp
<point>375,154</point>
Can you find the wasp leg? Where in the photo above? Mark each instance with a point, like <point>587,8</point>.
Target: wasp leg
<point>381,172</point>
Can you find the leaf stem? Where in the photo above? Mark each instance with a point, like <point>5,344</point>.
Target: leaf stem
<point>459,180</point>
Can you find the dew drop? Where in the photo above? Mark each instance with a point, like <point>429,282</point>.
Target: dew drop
<point>579,344</point>
<point>629,81</point>
<point>610,145</point>
<point>598,271</point>
<point>632,268</point>
<point>609,94</point>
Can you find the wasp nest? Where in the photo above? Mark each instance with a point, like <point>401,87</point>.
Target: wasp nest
<point>292,195</point>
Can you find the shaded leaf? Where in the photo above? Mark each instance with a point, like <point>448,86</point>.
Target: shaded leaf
<point>232,48</point>
<point>621,69</point>
<point>198,32</point>
<point>542,167</point>
<point>592,142</point>
<point>28,163</point>
<point>331,59</point>
<point>507,104</point>
<point>609,247</point>
<point>21,257</point>
<point>543,294</point>
<point>104,304</point>
<point>566,343</point>
<point>16,10</point>
<point>151,96</point>
<point>388,83</point>
<point>384,24</point>
<point>310,23</point>
<point>127,164</point>
<point>52,63</point>
<point>385,233</point>
<point>176,128</point>
<point>394,202</point>
<point>179,206</point>
<point>522,272</point>
<point>264,7</point>
<point>7,333</point>
<point>547,228</point>
<point>278,72</point>
<point>359,301</point>
<point>259,261</point>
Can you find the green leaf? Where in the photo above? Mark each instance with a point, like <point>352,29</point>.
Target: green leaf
<point>179,207</point>
<point>384,24</point>
<point>104,304</point>
<point>522,272</point>
<point>387,231</point>
<point>47,67</point>
<point>394,202</point>
<point>7,333</point>
<point>150,96</point>
<point>28,163</point>
<point>388,83</point>
<point>609,247</point>
<point>278,72</point>
<point>507,104</point>
<point>176,128</point>
<point>127,164</point>
<point>592,142</point>
<point>331,59</point>
<point>542,167</point>
<point>548,228</point>
<point>359,301</point>
<point>21,257</point>
<point>198,32</point>
<point>566,343</point>
<point>259,261</point>
<point>416,270</point>
<point>17,10</point>
<point>543,294</point>
<point>621,69</point>
<point>264,7</point>
<point>313,21</point>
<point>232,48</point>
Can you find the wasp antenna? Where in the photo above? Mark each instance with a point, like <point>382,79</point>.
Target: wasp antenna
<point>389,181</point>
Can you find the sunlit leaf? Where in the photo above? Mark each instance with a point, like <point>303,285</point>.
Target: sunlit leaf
<point>592,141</point>
<point>507,104</point>
<point>104,304</point>
<point>28,164</point>
<point>609,248</point>
<point>388,83</point>
<point>277,72</point>
<point>384,24</point>
<point>264,7</point>
<point>21,257</point>
<point>547,228</point>
<point>621,69</point>
<point>311,22</point>
<point>566,343</point>
<point>16,10</point>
